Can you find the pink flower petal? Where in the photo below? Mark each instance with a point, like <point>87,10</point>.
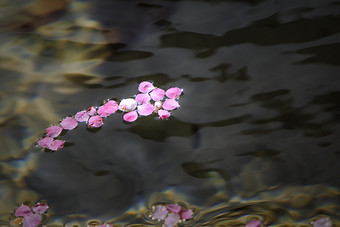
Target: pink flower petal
<point>91,111</point>
<point>22,211</point>
<point>40,208</point>
<point>130,116</point>
<point>157,94</point>
<point>56,145</point>
<point>127,105</point>
<point>143,98</point>
<point>82,116</point>
<point>108,108</point>
<point>95,122</point>
<point>254,223</point>
<point>170,104</point>
<point>145,87</point>
<point>68,123</point>
<point>322,222</point>
<point>171,220</point>
<point>159,212</point>
<point>54,131</point>
<point>174,208</point>
<point>158,104</point>
<point>146,109</point>
<point>173,92</point>
<point>45,142</point>
<point>186,214</point>
<point>163,114</point>
<point>32,220</point>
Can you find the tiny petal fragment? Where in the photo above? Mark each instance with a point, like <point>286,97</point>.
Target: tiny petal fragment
<point>145,87</point>
<point>32,220</point>
<point>69,123</point>
<point>22,211</point>
<point>157,94</point>
<point>127,105</point>
<point>170,104</point>
<point>130,116</point>
<point>45,142</point>
<point>146,109</point>
<point>54,131</point>
<point>91,111</point>
<point>108,108</point>
<point>40,208</point>
<point>143,98</point>
<point>173,93</point>
<point>322,222</point>
<point>56,145</point>
<point>95,122</point>
<point>174,208</point>
<point>159,212</point>
<point>82,116</point>
<point>163,114</point>
<point>254,223</point>
<point>171,220</point>
<point>186,214</point>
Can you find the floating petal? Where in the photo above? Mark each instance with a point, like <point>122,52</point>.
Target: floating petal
<point>130,116</point>
<point>146,109</point>
<point>32,220</point>
<point>322,222</point>
<point>22,211</point>
<point>145,87</point>
<point>174,208</point>
<point>159,212</point>
<point>40,208</point>
<point>56,145</point>
<point>82,116</point>
<point>45,142</point>
<point>170,104</point>
<point>254,223</point>
<point>95,122</point>
<point>68,123</point>
<point>108,108</point>
<point>173,93</point>
<point>157,94</point>
<point>54,131</point>
<point>91,111</point>
<point>143,98</point>
<point>163,114</point>
<point>171,220</point>
<point>186,214</point>
<point>127,105</point>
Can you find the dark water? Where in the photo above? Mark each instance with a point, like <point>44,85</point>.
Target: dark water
<point>258,128</point>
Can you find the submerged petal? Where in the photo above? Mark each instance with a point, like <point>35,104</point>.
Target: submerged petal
<point>127,105</point>
<point>130,116</point>
<point>82,116</point>
<point>143,98</point>
<point>68,123</point>
<point>95,122</point>
<point>173,92</point>
<point>45,142</point>
<point>163,114</point>
<point>54,131</point>
<point>170,104</point>
<point>157,94</point>
<point>145,87</point>
<point>146,109</point>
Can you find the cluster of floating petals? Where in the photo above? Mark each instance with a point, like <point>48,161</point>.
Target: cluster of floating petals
<point>29,216</point>
<point>170,214</point>
<point>150,100</point>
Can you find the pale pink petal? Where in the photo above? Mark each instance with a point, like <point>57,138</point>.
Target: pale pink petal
<point>163,114</point>
<point>45,142</point>
<point>22,211</point>
<point>54,131</point>
<point>127,105</point>
<point>159,212</point>
<point>40,208</point>
<point>146,109</point>
<point>108,108</point>
<point>173,92</point>
<point>143,98</point>
<point>145,87</point>
<point>158,104</point>
<point>95,122</point>
<point>130,116</point>
<point>174,208</point>
<point>171,220</point>
<point>170,104</point>
<point>322,222</point>
<point>56,145</point>
<point>68,123</point>
<point>186,214</point>
<point>32,220</point>
<point>82,116</point>
<point>157,94</point>
<point>91,111</point>
<point>254,223</point>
